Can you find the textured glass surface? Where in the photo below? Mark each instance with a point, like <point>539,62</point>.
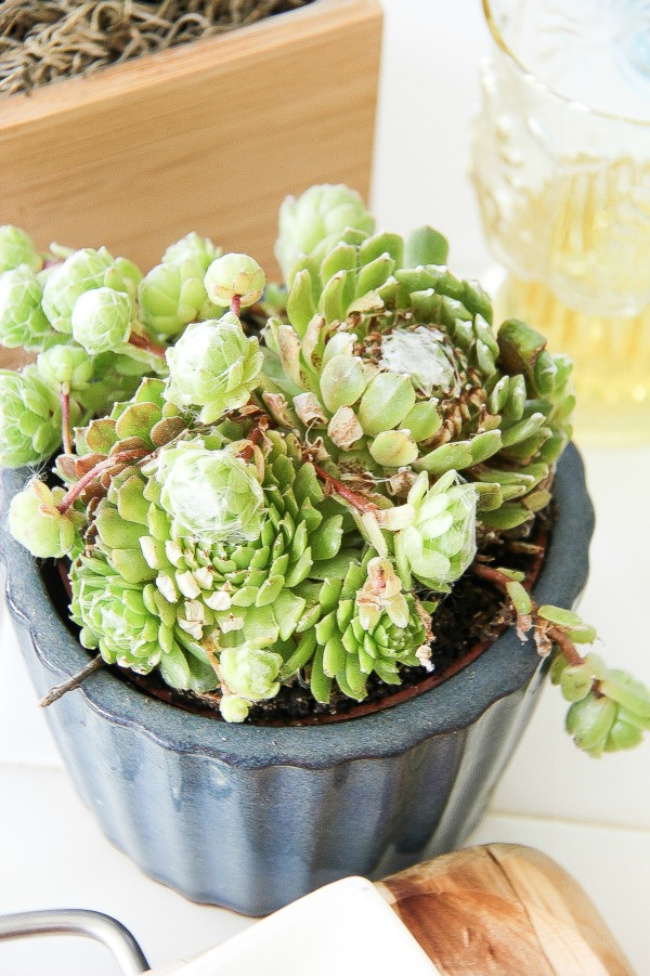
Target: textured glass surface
<point>595,51</point>
<point>561,165</point>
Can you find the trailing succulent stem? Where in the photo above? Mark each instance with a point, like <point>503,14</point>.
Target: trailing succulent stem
<point>610,709</point>
<point>267,486</point>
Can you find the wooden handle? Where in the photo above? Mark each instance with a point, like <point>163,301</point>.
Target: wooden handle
<point>503,910</point>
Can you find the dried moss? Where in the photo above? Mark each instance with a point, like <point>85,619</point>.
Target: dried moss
<point>43,41</point>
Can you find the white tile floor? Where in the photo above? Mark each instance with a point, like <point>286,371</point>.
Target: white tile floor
<point>593,817</point>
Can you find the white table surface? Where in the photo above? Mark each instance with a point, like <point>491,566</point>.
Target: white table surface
<point>592,816</point>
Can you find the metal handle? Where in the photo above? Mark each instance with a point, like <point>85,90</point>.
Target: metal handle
<point>77,921</point>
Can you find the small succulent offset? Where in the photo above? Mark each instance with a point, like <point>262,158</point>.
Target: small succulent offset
<point>247,509</point>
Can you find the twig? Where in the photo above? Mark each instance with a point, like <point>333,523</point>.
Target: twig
<point>555,633</point>
<point>566,645</point>
<point>144,342</point>
<point>491,575</point>
<point>65,418</point>
<point>90,476</point>
<point>74,682</point>
<point>354,498</point>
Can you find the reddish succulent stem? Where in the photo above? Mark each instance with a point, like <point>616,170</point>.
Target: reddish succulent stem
<point>144,342</point>
<point>557,635</point>
<point>566,646</point>
<point>490,574</point>
<point>352,497</point>
<point>65,419</point>
<point>235,305</point>
<point>120,458</point>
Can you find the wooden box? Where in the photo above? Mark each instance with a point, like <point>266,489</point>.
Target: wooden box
<point>210,136</point>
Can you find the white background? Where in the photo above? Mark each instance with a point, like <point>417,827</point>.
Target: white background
<point>592,816</point>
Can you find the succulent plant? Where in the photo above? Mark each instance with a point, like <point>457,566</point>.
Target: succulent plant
<point>610,710</point>
<point>246,513</point>
<point>101,320</point>
<point>173,294</point>
<point>234,277</point>
<point>309,224</point>
<point>35,520</point>
<point>213,366</point>
<point>194,248</point>
<point>81,272</point>
<point>16,249</point>
<point>22,320</point>
<point>30,418</point>
<point>399,368</point>
<point>439,544</point>
<point>65,365</point>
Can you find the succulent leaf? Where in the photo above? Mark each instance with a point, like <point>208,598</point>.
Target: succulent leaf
<point>30,418</point>
<point>35,520</point>
<point>16,249</point>
<point>316,220</point>
<point>234,276</point>
<point>22,320</point>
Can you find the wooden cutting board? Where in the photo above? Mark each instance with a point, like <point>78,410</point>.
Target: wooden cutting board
<point>503,910</point>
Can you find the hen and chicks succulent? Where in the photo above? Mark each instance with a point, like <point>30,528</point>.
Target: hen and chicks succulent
<point>248,508</point>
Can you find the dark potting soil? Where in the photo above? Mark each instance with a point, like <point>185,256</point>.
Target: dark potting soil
<point>468,619</point>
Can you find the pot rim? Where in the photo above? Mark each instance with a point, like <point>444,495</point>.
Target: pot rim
<point>506,667</point>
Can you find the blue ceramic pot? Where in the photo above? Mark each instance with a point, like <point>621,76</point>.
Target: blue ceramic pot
<point>250,817</point>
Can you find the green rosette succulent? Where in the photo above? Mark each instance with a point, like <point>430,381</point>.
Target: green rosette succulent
<point>171,296</point>
<point>30,418</point>
<point>101,320</point>
<point>84,271</point>
<point>173,293</point>
<point>65,366</point>
<point>113,616</point>
<point>37,522</point>
<point>213,366</point>
<point>310,223</point>
<point>246,584</point>
<point>398,370</point>
<point>367,625</point>
<point>124,622</point>
<point>192,247</point>
<point>439,544</point>
<point>234,277</point>
<point>248,675</point>
<point>17,248</point>
<point>22,320</point>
